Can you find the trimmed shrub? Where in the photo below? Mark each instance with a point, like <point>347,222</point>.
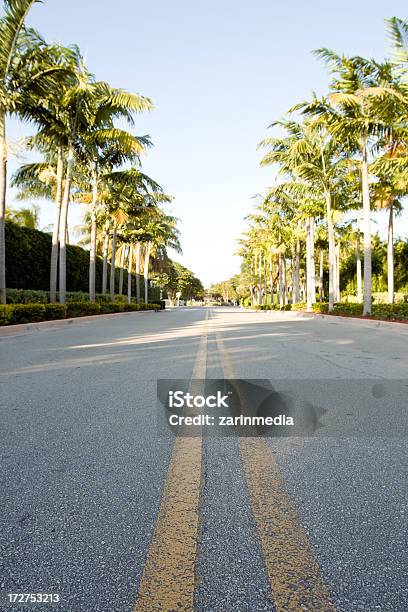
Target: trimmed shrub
<point>132,307</point>
<point>320,307</point>
<point>111,307</point>
<point>12,314</point>
<point>390,311</point>
<point>27,313</point>
<point>348,309</point>
<point>55,311</point>
<point>82,309</point>
<point>5,314</point>
<point>299,306</point>
<point>287,307</point>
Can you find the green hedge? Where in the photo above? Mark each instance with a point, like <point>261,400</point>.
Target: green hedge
<point>299,306</point>
<point>391,312</point>
<point>28,254</point>
<point>82,309</point>
<point>55,311</point>
<point>28,313</point>
<point>33,296</point>
<point>271,307</point>
<point>13,314</point>
<point>320,307</point>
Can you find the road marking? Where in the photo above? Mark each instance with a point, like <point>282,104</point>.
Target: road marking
<point>168,579</point>
<point>293,571</point>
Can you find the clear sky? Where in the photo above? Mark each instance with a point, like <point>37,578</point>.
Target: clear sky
<point>218,71</point>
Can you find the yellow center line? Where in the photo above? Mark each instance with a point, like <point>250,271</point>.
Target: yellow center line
<point>168,579</point>
<point>293,571</point>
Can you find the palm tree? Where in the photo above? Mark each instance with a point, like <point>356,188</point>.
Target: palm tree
<point>387,194</point>
<point>26,217</point>
<point>157,231</point>
<point>128,194</point>
<point>27,68</point>
<point>398,30</point>
<point>310,159</point>
<point>352,114</point>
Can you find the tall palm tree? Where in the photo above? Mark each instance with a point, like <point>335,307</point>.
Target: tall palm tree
<point>157,230</point>
<point>310,156</point>
<point>129,192</point>
<point>352,114</point>
<point>26,69</point>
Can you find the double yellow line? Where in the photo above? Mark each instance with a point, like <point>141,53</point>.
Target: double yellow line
<point>168,580</point>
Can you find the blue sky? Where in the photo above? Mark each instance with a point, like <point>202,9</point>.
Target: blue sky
<point>218,71</point>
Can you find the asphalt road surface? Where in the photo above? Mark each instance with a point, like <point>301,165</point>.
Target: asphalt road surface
<point>105,508</point>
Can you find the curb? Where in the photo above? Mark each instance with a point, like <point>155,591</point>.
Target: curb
<point>371,323</point>
<point>8,331</point>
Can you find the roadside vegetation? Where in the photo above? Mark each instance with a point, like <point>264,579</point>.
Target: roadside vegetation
<point>339,159</point>
<point>83,132</point>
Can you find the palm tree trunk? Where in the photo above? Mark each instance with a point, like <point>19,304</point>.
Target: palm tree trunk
<point>281,282</point>
<point>122,263</point>
<point>310,264</point>
<point>271,277</point>
<point>137,272</point>
<point>55,230</point>
<point>130,265</point>
<point>321,276</point>
<point>308,268</point>
<point>112,268</point>
<point>367,231</point>
<point>3,188</point>
<point>105,257</point>
<point>146,272</point>
<point>63,228</point>
<point>358,265</point>
<point>296,279</point>
<point>92,248</point>
<point>260,279</point>
<point>330,233</point>
<point>338,272</point>
<point>312,259</point>
<point>265,283</point>
<point>390,255</point>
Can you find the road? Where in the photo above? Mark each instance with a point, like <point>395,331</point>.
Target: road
<point>104,507</point>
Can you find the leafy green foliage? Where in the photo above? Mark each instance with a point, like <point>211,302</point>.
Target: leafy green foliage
<point>55,311</point>
<point>28,254</point>
<point>321,307</point>
<point>14,314</point>
<point>82,309</point>
<point>176,278</point>
<point>5,314</point>
<point>389,312</point>
<point>27,313</point>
